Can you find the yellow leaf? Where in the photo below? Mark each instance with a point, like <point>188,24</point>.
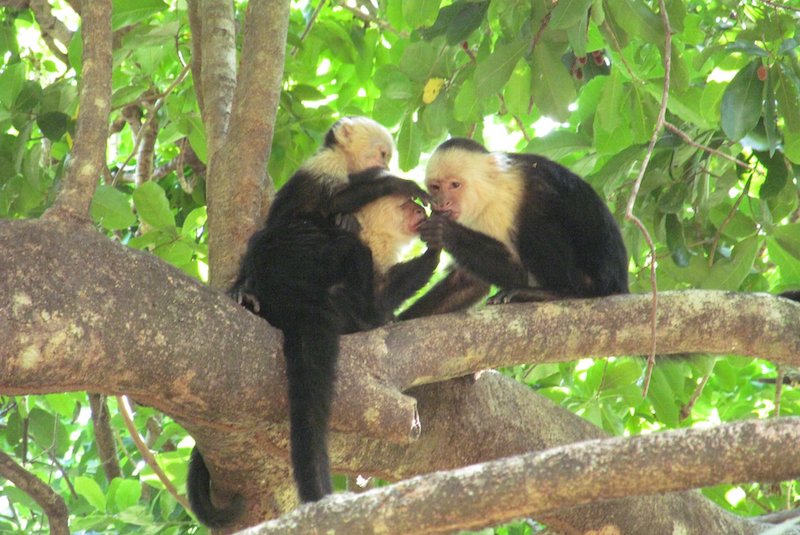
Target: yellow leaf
<point>432,88</point>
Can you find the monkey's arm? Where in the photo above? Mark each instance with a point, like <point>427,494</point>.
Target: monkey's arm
<point>482,255</point>
<point>457,291</point>
<point>362,192</point>
<point>405,279</point>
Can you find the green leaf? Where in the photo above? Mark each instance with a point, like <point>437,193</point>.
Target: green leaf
<point>467,19</point>
<point>11,82</point>
<point>127,493</point>
<point>663,397</point>
<point>409,144</point>
<point>111,208</point>
<point>788,236</point>
<point>553,88</point>
<point>53,124</point>
<point>517,92</point>
<point>741,102</point>
<point>777,174</point>
<point>196,133</point>
<point>637,19</point>
<point>770,113</point>
<point>569,13</point>
<point>729,274</point>
<point>48,431</point>
<point>492,73</point>
<point>420,13</point>
<point>787,94</point>
<point>417,60</point>
<point>153,207</point>
<point>129,12</point>
<point>177,253</point>
<point>467,107</point>
<point>675,241</point>
<point>91,491</point>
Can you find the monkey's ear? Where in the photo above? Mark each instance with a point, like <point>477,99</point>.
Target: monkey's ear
<point>344,129</point>
<point>496,164</point>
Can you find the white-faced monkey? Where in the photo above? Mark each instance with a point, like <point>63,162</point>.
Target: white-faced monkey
<point>313,277</point>
<point>521,222</point>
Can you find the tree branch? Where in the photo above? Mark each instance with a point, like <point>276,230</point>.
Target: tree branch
<point>237,176</point>
<point>91,131</point>
<point>53,330</point>
<point>117,317</point>
<point>218,69</point>
<point>52,504</point>
<point>537,483</point>
<point>104,437</point>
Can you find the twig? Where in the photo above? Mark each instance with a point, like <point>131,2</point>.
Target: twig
<point>677,131</point>
<point>728,218</point>
<point>781,6</point>
<point>651,359</point>
<point>310,23</point>
<point>540,31</point>
<point>127,416</point>
<point>686,410</point>
<point>150,118</point>
<point>51,503</point>
<point>778,390</point>
<point>383,25</point>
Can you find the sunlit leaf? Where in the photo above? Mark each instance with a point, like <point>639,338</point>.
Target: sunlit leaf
<point>111,208</point>
<point>492,73</point>
<point>153,207</point>
<point>91,491</point>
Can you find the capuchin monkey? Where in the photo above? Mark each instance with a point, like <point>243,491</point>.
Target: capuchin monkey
<point>388,225</point>
<point>518,221</point>
<point>310,275</point>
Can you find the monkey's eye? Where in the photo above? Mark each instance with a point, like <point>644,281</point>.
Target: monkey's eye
<point>455,185</point>
<point>433,187</point>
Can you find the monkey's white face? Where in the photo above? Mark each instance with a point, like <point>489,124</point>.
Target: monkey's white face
<point>458,181</point>
<point>366,144</point>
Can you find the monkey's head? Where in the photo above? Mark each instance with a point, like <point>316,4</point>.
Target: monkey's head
<point>413,216</point>
<point>459,177</point>
<point>363,143</point>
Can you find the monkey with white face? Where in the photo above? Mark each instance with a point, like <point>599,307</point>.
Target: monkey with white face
<point>311,276</point>
<point>520,222</point>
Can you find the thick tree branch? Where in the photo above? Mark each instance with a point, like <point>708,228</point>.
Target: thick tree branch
<point>51,502</point>
<point>91,130</point>
<point>537,483</point>
<point>108,324</point>
<point>57,324</point>
<point>238,173</point>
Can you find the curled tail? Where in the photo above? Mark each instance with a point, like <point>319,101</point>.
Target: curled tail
<point>198,488</point>
<point>311,348</point>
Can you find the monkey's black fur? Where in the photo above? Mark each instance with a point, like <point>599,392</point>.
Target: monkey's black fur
<point>314,280</point>
<point>567,242</point>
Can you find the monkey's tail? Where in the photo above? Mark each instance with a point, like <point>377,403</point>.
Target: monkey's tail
<point>198,488</point>
<point>311,348</point>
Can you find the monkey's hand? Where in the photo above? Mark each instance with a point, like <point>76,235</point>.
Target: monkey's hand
<point>248,301</point>
<point>408,188</point>
<point>347,222</point>
<point>436,231</point>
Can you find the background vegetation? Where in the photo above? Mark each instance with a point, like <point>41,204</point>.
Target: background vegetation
<point>578,81</point>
